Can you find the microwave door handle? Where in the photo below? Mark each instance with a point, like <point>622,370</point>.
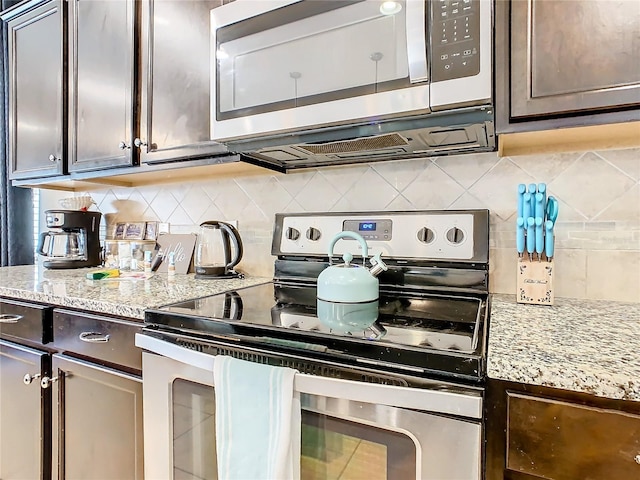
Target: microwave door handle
<point>416,32</point>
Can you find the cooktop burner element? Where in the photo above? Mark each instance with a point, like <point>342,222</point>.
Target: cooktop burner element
<point>432,309</point>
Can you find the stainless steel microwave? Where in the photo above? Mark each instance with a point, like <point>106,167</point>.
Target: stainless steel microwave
<point>290,73</point>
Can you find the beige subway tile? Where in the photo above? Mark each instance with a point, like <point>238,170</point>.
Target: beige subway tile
<point>613,275</point>
<point>502,272</point>
<point>570,272</point>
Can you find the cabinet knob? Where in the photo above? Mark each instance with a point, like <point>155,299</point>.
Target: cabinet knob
<point>9,318</point>
<point>27,379</point>
<point>46,381</point>
<point>637,459</point>
<point>53,158</point>
<point>123,146</point>
<point>139,143</point>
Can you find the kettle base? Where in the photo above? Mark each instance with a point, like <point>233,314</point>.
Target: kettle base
<point>224,276</point>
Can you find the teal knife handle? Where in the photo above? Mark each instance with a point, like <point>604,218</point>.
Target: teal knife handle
<point>532,191</point>
<point>539,202</point>
<point>549,239</point>
<point>531,236</point>
<point>520,235</point>
<point>542,188</point>
<point>539,236</point>
<point>526,207</point>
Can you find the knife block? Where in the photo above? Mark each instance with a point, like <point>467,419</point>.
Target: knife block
<point>534,283</point>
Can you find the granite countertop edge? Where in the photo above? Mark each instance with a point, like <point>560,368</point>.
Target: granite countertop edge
<point>587,346</point>
<point>126,297</point>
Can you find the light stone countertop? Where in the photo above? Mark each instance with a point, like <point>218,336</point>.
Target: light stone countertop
<point>588,346</point>
<point>124,297</point>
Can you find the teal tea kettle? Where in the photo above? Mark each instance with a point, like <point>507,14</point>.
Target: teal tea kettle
<point>347,297</point>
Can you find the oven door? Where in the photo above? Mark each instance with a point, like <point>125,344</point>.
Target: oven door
<point>349,429</point>
<point>290,64</point>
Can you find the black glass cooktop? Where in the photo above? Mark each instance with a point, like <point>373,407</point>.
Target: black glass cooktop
<point>418,332</point>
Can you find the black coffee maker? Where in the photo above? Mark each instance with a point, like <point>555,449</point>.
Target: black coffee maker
<point>73,240</point>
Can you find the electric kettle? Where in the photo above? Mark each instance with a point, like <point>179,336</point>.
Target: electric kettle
<point>218,250</point>
<point>347,298</point>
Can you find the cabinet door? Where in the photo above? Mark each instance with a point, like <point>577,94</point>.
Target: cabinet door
<point>101,83</point>
<point>175,121</point>
<point>574,56</point>
<point>37,126</point>
<point>558,440</point>
<point>97,423</point>
<point>25,413</point>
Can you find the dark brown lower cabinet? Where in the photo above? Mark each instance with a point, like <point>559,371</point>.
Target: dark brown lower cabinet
<point>543,433</point>
<point>97,424</point>
<point>25,413</point>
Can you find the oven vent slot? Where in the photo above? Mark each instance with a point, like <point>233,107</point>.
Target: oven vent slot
<point>303,366</point>
<point>357,145</point>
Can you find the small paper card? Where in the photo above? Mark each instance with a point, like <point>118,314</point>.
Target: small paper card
<point>182,246</point>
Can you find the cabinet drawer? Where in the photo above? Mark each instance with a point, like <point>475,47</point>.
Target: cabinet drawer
<point>100,338</point>
<point>26,321</point>
<point>561,441</point>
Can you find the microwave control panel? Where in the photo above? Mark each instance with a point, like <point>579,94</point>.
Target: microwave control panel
<point>455,39</point>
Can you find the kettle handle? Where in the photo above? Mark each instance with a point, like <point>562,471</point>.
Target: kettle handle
<point>349,234</point>
<point>41,240</point>
<point>232,233</point>
<point>237,242</point>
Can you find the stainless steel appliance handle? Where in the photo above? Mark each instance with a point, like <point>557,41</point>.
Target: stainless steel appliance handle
<point>94,337</point>
<point>435,401</point>
<point>416,33</point>
<point>9,318</point>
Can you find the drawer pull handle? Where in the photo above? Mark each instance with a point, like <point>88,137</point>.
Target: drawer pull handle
<point>46,381</point>
<point>8,318</point>
<point>637,459</point>
<point>93,337</point>
<point>27,379</point>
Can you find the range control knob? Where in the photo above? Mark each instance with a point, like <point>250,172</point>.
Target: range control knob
<point>426,235</point>
<point>293,233</point>
<point>313,234</point>
<point>455,235</point>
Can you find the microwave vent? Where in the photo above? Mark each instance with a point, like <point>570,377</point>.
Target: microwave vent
<point>356,145</point>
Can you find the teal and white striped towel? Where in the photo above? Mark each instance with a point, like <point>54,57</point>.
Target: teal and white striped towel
<point>257,421</point>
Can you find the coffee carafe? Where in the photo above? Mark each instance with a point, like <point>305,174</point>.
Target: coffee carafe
<point>218,250</point>
<point>73,239</point>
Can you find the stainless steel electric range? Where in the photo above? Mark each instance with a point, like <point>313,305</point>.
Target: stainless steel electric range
<point>415,375</point>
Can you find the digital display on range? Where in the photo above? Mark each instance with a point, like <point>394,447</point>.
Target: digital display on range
<point>367,226</point>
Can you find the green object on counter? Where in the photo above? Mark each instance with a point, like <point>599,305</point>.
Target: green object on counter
<point>106,273</point>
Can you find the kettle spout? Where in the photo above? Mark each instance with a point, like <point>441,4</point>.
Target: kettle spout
<point>377,265</point>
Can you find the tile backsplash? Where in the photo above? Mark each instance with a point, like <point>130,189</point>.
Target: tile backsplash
<point>597,234</point>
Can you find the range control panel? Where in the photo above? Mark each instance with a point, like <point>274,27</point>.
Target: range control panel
<point>455,39</point>
<point>439,235</point>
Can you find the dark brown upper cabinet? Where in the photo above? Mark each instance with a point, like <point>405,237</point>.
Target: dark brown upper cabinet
<point>561,63</point>
<point>101,84</point>
<point>37,112</point>
<point>175,81</point>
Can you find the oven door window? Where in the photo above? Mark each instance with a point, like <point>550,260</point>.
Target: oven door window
<point>331,448</point>
<point>334,448</point>
<point>310,52</point>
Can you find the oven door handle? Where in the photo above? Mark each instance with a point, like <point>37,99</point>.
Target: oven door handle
<point>433,401</point>
<point>416,32</point>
